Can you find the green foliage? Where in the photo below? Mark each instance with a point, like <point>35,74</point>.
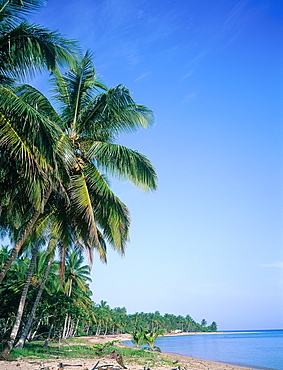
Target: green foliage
<point>151,337</point>
<point>87,318</point>
<point>33,48</point>
<point>104,349</point>
<point>56,350</point>
<point>71,297</point>
<point>67,350</point>
<point>138,336</point>
<point>51,165</point>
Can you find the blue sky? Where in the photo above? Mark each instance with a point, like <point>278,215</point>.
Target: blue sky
<point>209,242</point>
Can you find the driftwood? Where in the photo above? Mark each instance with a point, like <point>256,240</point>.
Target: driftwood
<point>95,365</point>
<point>4,357</point>
<point>62,366</point>
<point>116,355</point>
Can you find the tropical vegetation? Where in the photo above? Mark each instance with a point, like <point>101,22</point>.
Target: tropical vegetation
<point>67,310</point>
<point>56,202</point>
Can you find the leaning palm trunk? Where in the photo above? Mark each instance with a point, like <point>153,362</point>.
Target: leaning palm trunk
<point>31,334</point>
<point>48,336</point>
<point>27,327</point>
<point>17,247</point>
<point>21,307</point>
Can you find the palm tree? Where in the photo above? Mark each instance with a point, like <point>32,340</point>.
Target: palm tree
<point>59,157</point>
<point>34,154</point>
<point>91,122</point>
<point>138,336</point>
<point>76,276</point>
<point>35,240</point>
<point>102,312</point>
<point>24,50</point>
<point>48,255</point>
<point>93,117</point>
<point>16,326</point>
<point>203,323</point>
<point>151,337</point>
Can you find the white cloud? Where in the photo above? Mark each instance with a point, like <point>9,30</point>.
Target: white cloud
<point>189,74</point>
<point>188,97</point>
<point>141,77</point>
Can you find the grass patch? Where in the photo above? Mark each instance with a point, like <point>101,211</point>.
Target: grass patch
<point>77,340</point>
<point>53,351</point>
<point>66,350</point>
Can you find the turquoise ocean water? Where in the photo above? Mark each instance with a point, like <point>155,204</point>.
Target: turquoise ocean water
<point>260,349</point>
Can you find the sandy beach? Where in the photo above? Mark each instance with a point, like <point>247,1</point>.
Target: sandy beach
<point>185,363</point>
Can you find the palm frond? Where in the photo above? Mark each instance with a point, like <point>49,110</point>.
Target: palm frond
<point>34,49</point>
<point>30,129</point>
<point>110,212</point>
<point>75,90</point>
<point>15,10</point>
<point>82,211</point>
<point>115,112</point>
<point>10,141</point>
<point>125,164</point>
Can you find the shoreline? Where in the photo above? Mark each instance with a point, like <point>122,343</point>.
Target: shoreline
<point>184,362</point>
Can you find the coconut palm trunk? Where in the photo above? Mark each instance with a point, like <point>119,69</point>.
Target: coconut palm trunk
<point>48,336</point>
<point>27,327</point>
<point>31,335</point>
<point>7,349</point>
<point>17,247</point>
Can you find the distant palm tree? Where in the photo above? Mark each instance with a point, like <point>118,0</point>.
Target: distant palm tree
<point>76,276</point>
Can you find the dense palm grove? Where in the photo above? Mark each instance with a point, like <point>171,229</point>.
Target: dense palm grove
<point>56,202</point>
<point>66,309</point>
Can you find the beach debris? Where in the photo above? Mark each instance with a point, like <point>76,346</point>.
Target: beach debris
<point>179,368</point>
<point>62,366</point>
<point>4,357</point>
<point>43,367</point>
<point>107,367</point>
<point>95,366</point>
<point>116,355</point>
